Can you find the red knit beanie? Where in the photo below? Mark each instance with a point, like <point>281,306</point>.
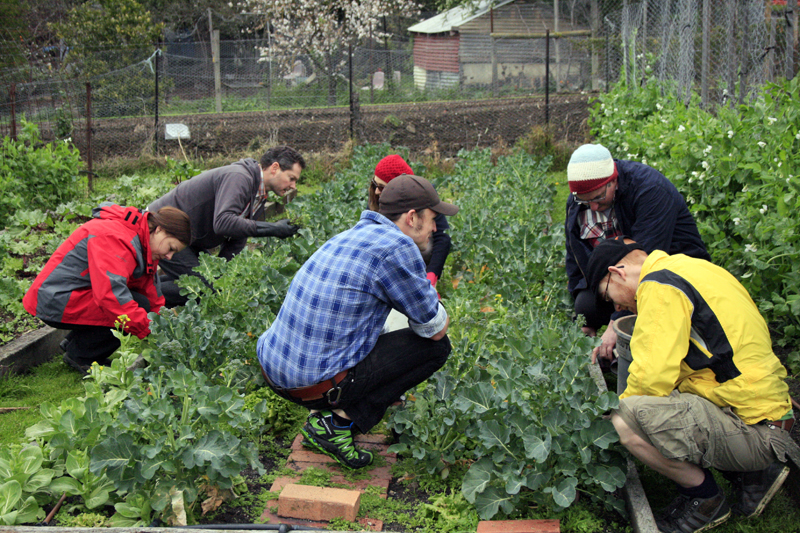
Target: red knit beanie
<point>390,167</point>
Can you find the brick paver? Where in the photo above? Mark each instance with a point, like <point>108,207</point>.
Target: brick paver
<point>320,504</point>
<point>302,458</point>
<point>519,526</point>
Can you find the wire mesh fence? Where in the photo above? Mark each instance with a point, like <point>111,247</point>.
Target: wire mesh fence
<point>501,74</point>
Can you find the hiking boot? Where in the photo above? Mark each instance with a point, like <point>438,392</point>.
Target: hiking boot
<point>336,442</point>
<point>754,490</point>
<point>691,515</point>
<point>83,369</point>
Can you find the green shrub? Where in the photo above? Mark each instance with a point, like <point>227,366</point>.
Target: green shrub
<point>34,175</point>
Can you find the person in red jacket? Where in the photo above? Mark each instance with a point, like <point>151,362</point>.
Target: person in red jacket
<point>106,269</point>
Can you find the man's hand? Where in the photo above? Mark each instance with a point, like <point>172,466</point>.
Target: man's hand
<point>443,332</point>
<point>608,341</point>
<point>281,229</point>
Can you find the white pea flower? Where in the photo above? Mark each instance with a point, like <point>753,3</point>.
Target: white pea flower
<point>691,180</point>
<point>616,109</point>
<point>730,134</point>
<point>779,164</point>
<point>762,144</point>
<point>750,248</point>
<point>771,120</point>
<point>616,131</point>
<point>621,122</point>
<point>737,221</point>
<point>763,209</point>
<point>662,146</point>
<point>705,165</point>
<point>788,180</point>
<point>690,199</point>
<point>694,173</point>
<point>681,128</point>
<point>659,107</point>
<point>797,136</point>
<point>644,161</point>
<point>744,189</point>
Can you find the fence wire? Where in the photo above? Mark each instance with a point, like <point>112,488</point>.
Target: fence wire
<point>492,82</point>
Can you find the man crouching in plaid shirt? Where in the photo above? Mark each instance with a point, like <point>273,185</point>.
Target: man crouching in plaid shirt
<point>325,350</point>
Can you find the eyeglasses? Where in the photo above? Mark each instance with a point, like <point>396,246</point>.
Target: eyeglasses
<point>594,200</point>
<point>377,185</point>
<point>604,294</point>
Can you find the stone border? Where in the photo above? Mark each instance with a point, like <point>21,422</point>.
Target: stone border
<point>31,349</point>
<point>641,515</point>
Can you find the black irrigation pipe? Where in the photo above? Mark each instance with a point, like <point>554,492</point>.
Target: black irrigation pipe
<point>245,527</point>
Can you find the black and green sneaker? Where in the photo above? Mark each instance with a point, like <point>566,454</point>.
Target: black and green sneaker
<point>334,441</point>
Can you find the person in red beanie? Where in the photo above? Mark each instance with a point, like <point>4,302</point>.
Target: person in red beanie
<point>438,248</point>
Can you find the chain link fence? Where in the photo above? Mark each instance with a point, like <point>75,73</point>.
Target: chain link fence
<point>724,50</point>
<point>504,73</point>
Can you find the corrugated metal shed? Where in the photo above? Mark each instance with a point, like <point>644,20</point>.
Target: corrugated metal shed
<point>436,52</point>
<point>454,18</point>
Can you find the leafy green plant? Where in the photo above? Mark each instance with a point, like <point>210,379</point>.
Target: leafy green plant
<point>24,480</point>
<point>39,175</point>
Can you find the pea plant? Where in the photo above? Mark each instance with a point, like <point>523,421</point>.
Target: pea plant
<point>737,170</point>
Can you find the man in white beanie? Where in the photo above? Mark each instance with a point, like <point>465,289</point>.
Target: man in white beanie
<point>611,197</point>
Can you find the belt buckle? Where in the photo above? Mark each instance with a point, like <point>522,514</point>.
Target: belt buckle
<point>334,401</point>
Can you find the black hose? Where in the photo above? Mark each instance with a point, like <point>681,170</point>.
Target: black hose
<point>283,528</point>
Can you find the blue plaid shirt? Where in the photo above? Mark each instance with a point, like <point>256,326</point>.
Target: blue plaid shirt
<point>338,302</point>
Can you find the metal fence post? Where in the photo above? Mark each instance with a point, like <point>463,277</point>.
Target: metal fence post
<point>547,78</point>
<point>705,68</point>
<point>155,133</point>
<point>89,134</point>
<point>789,36</point>
<point>350,87</point>
<point>13,97</point>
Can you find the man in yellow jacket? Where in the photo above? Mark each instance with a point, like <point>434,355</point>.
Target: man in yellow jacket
<point>704,387</point>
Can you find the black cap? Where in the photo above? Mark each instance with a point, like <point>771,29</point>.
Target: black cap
<point>407,192</point>
<point>606,254</point>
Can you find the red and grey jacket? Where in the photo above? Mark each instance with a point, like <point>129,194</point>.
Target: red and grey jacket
<point>90,277</point>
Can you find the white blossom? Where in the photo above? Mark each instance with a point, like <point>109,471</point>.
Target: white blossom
<point>763,209</point>
<point>730,134</point>
<point>762,144</point>
<point>705,165</point>
<point>662,146</point>
<point>681,128</point>
<point>659,107</point>
<point>690,200</point>
<point>750,248</point>
<point>797,136</point>
<point>771,120</point>
<point>737,221</point>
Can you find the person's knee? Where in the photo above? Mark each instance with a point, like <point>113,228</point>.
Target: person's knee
<point>627,437</point>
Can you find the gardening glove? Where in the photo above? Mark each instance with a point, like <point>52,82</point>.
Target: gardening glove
<point>433,279</point>
<point>281,229</point>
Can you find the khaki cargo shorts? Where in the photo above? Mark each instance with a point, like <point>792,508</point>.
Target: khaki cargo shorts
<point>686,427</point>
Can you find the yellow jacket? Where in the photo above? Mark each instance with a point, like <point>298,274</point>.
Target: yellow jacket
<point>699,330</point>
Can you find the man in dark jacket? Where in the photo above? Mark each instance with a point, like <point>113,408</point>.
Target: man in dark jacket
<point>611,197</point>
<point>222,204</point>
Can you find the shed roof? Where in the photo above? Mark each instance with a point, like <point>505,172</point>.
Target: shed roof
<point>444,22</point>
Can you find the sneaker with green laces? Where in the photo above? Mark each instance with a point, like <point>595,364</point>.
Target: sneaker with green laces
<point>321,434</point>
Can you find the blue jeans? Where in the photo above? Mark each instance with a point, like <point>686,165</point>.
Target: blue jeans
<point>400,361</point>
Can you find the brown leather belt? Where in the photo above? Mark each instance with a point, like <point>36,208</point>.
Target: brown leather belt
<point>313,392</point>
<point>785,425</point>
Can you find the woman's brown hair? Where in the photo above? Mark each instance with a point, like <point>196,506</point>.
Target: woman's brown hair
<point>174,221</point>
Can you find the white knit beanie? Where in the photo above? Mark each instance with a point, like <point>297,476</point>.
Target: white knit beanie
<point>590,167</point>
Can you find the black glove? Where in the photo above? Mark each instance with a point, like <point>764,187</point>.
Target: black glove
<point>281,229</point>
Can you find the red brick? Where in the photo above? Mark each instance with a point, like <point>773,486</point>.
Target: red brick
<point>371,524</point>
<point>519,526</point>
<point>281,482</point>
<point>318,503</point>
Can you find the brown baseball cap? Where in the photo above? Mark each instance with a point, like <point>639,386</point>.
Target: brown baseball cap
<point>407,192</point>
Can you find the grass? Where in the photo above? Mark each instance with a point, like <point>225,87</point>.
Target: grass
<point>781,514</point>
<point>51,382</point>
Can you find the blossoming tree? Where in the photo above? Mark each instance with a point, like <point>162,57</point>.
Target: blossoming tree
<point>323,29</point>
